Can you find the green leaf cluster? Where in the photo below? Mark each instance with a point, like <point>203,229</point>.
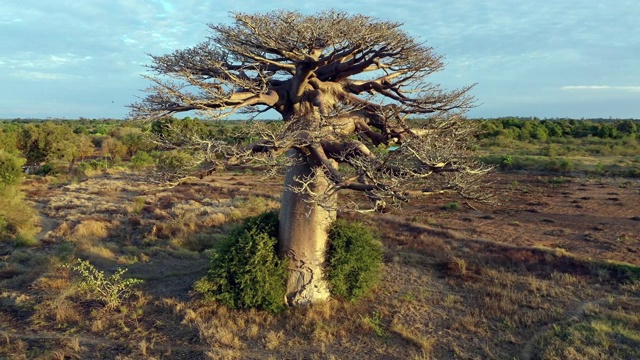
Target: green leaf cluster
<point>245,269</point>
<point>354,259</point>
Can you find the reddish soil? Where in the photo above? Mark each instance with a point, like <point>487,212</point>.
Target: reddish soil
<point>590,218</point>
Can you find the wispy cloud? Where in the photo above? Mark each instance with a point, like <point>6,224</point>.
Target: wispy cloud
<point>602,87</point>
<point>33,66</point>
<point>515,50</point>
<point>45,76</point>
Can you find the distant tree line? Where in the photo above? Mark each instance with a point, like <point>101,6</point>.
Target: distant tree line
<point>526,129</point>
<point>60,145</point>
<point>85,145</point>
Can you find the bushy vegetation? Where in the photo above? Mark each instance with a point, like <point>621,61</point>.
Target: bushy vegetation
<point>247,273</point>
<point>112,289</point>
<point>141,160</point>
<point>597,147</point>
<point>354,260</point>
<point>18,221</point>
<point>526,129</point>
<point>176,161</point>
<point>245,269</point>
<point>510,143</point>
<point>10,169</point>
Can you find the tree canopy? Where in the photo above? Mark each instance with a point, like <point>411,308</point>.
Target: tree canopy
<point>346,87</point>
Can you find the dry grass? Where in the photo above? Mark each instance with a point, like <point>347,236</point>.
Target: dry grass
<point>273,339</point>
<point>602,330</point>
<point>90,230</point>
<point>456,283</point>
<point>214,220</point>
<point>413,335</point>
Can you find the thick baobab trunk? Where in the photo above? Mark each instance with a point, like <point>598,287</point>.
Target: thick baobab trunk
<point>303,235</point>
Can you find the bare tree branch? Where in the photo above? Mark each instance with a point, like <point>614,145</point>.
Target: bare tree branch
<point>357,130</point>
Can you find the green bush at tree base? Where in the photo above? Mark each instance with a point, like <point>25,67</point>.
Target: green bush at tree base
<point>353,261</point>
<point>246,271</point>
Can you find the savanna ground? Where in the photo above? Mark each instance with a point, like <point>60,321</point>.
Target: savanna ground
<point>550,272</point>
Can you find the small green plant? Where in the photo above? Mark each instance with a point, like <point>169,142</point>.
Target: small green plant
<point>111,289</point>
<point>558,180</point>
<point>453,206</point>
<point>409,297</point>
<point>245,269</point>
<point>353,260</point>
<point>137,204</point>
<point>450,300</point>
<point>506,162</point>
<point>375,323</point>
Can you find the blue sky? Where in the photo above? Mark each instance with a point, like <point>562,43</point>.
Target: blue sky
<point>560,58</point>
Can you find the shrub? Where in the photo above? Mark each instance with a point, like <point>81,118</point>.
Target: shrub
<point>10,169</point>
<point>451,206</point>
<point>111,289</point>
<point>176,161</point>
<point>92,166</point>
<point>141,160</point>
<point>506,162</point>
<point>113,148</point>
<point>354,259</point>
<point>55,167</point>
<point>245,269</point>
<point>18,220</point>
<point>559,165</point>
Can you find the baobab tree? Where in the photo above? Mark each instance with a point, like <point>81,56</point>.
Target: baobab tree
<point>358,113</point>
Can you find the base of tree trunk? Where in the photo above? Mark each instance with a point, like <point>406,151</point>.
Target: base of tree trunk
<point>303,236</point>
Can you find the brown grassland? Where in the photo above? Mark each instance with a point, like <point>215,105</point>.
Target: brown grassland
<point>551,272</point>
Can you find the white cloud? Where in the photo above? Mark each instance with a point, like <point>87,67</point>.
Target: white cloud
<point>512,48</point>
<point>602,87</point>
<point>31,66</point>
<point>43,61</point>
<point>38,75</point>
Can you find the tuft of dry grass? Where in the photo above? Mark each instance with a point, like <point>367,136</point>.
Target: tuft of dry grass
<point>60,310</point>
<point>214,220</point>
<point>273,339</point>
<point>90,230</point>
<point>423,342</point>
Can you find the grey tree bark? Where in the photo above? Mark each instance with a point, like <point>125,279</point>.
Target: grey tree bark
<point>303,233</point>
